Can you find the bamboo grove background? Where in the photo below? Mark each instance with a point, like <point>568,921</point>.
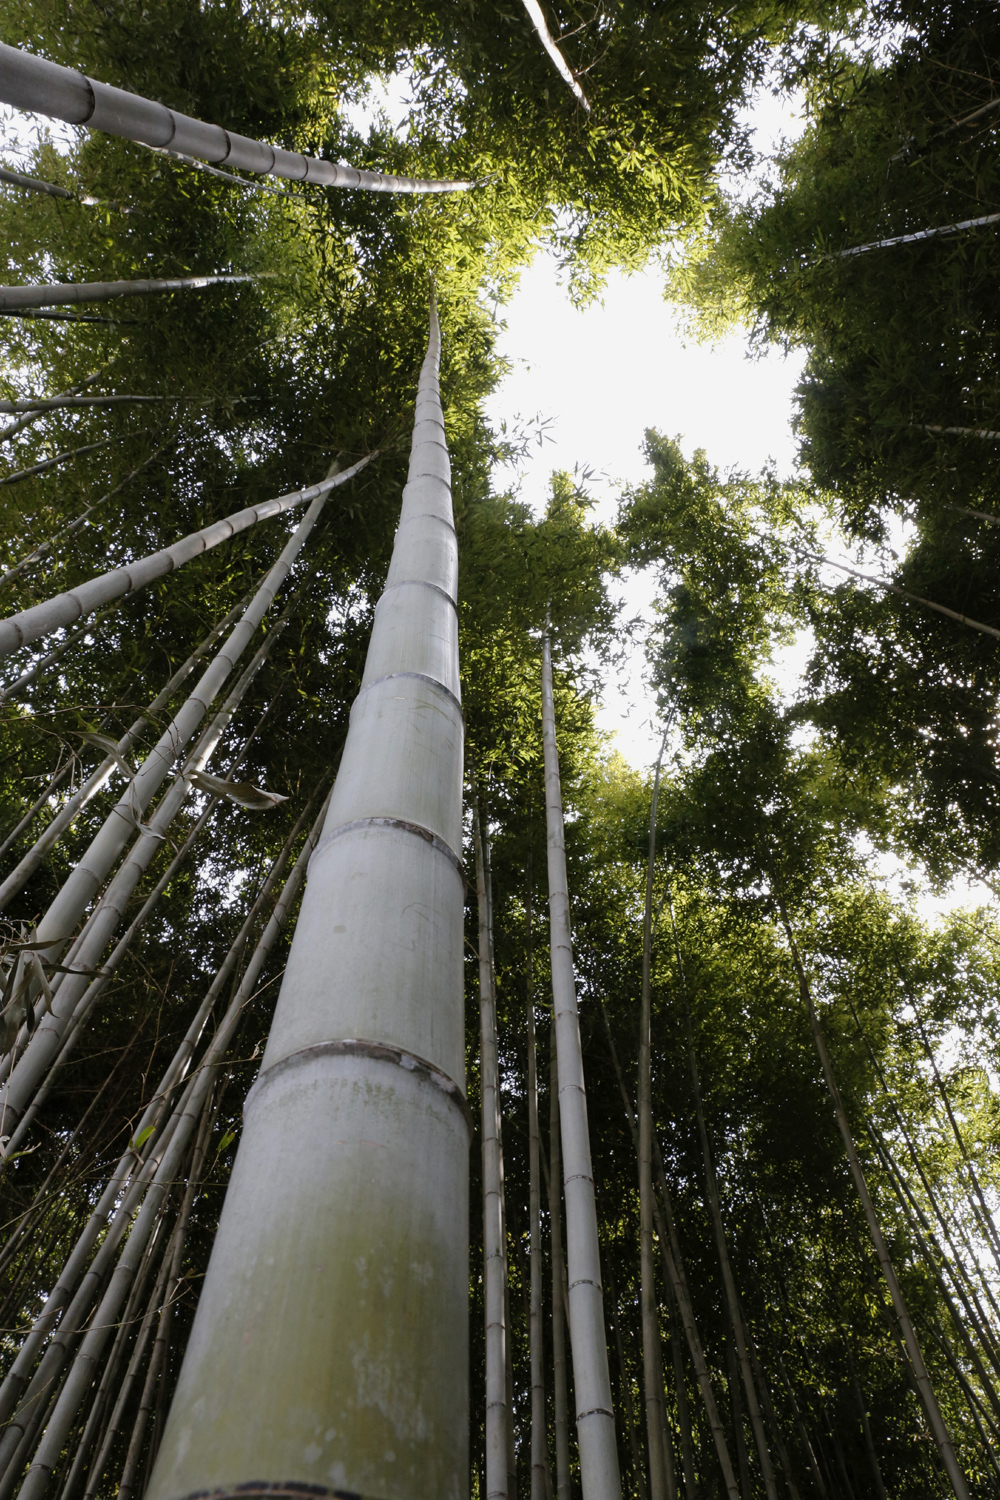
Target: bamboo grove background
<point>771,811</point>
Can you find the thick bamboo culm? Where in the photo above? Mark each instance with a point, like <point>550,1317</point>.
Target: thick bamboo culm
<point>70,606</point>
<point>595,1421</point>
<point>345,1224</point>
<point>32,83</point>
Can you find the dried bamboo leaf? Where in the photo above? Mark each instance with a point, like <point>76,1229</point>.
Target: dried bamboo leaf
<point>243,793</point>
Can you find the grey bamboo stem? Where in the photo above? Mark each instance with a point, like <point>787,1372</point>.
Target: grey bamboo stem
<point>52,463</point>
<point>494,1247</point>
<point>34,84</point>
<point>939,1431</point>
<point>68,1283</point>
<point>30,862</point>
<point>184,1120</point>
<point>354,1153</point>
<point>27,1074</point>
<point>33,416</point>
<point>595,1422</point>
<point>652,1369</point>
<point>66,608</point>
<point>559,1391</point>
<point>540,1481</point>
<point>57,294</point>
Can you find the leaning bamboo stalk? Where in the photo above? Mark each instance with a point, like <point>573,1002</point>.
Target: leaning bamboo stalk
<point>595,1421</point>
<point>161,1343</point>
<point>64,609</point>
<point>34,84</point>
<point>548,41</point>
<point>185,1118</point>
<point>154,1258</point>
<point>33,416</point>
<point>656,1435</point>
<point>45,548</point>
<point>78,403</point>
<point>914,238</point>
<point>60,458</point>
<point>928,1397</point>
<point>156,1309</point>
<point>494,1247</point>
<point>72,1033</point>
<point>68,1282</point>
<point>56,294</point>
<point>625,1385</point>
<point>354,1154</point>
<point>47,840</point>
<point>58,776</point>
<point>27,1074</point>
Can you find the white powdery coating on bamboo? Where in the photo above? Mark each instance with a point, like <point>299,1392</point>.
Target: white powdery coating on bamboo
<point>32,83</point>
<point>341,1261</point>
<point>595,1420</point>
<point>27,626</point>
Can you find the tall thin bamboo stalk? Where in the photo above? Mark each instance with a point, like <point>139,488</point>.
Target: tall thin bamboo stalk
<point>42,87</point>
<point>928,1397</point>
<point>33,416</point>
<point>47,840</point>
<point>540,1481</point>
<point>60,458</point>
<point>498,1416</point>
<point>652,1357</point>
<point>560,1397</point>
<point>27,1074</point>
<point>341,1261</point>
<point>75,1281</point>
<point>66,608</point>
<point>595,1421</point>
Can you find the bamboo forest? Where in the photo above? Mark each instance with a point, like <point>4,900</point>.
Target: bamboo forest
<point>406,1091</point>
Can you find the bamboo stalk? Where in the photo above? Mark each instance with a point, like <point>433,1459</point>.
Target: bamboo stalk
<point>184,1119</point>
<point>635,1450</point>
<point>64,609</point>
<point>27,1074</point>
<point>52,463</point>
<point>652,1367</point>
<point>548,41</point>
<point>595,1421</point>
<point>354,1150</point>
<point>31,861</point>
<point>30,417</point>
<point>559,1391</point>
<point>540,1481</point>
<point>42,87</point>
<point>57,294</point>
<point>494,1241</point>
